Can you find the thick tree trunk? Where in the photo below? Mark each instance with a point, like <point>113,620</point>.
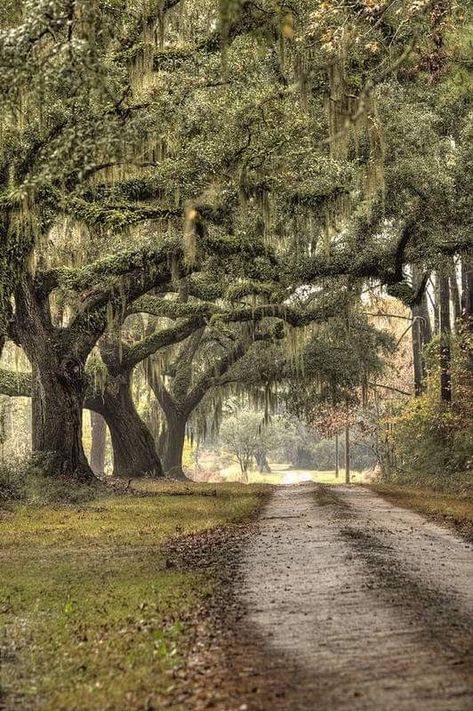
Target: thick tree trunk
<point>134,450</point>
<point>58,386</point>
<point>445,332</point>
<point>99,436</point>
<point>173,445</point>
<point>57,397</point>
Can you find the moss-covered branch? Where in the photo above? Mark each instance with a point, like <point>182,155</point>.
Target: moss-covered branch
<point>165,337</point>
<point>170,308</point>
<point>118,215</point>
<point>383,262</point>
<point>15,384</point>
<point>293,315</point>
<point>145,261</point>
<point>270,290</point>
<point>91,320</point>
<point>96,274</point>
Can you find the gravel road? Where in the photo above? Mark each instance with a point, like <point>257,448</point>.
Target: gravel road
<point>360,605</point>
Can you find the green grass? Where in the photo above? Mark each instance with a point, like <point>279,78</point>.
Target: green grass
<point>93,619</point>
<point>453,510</point>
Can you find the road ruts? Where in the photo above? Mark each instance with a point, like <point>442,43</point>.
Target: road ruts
<point>359,605</point>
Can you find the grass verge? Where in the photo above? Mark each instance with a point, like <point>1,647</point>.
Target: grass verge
<point>453,510</point>
<point>93,616</point>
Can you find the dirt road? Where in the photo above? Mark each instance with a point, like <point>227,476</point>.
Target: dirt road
<point>360,605</point>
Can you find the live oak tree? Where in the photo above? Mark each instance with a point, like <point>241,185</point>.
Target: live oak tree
<point>201,365</point>
<point>207,360</point>
<point>334,135</point>
<point>54,58</point>
<point>58,354</point>
<point>113,137</point>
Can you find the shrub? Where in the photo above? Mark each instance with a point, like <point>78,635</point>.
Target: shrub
<point>13,475</point>
<point>27,482</point>
<point>432,441</point>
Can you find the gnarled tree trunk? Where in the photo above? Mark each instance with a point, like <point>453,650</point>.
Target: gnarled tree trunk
<point>57,397</point>
<point>58,387</point>
<point>134,451</point>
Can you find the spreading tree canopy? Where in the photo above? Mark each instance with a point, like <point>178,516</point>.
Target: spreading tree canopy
<point>227,171</point>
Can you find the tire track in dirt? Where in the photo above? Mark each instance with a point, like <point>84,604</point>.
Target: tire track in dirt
<point>369,605</point>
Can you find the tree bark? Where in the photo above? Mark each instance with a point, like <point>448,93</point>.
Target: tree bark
<point>417,355</point>
<point>99,435</point>
<point>421,334</point>
<point>58,387</point>
<point>57,397</point>
<point>425,324</point>
<point>436,285</point>
<point>467,290</point>
<point>445,332</point>
<point>173,444</point>
<point>134,450</point>
<point>455,293</point>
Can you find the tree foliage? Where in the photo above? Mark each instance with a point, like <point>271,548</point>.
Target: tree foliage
<point>203,191</point>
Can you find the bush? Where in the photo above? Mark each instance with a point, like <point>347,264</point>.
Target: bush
<point>42,490</point>
<point>431,441</point>
<point>423,451</point>
<point>13,475</point>
<point>27,482</point>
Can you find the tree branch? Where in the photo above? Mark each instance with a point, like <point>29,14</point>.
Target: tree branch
<point>15,384</point>
<point>166,337</point>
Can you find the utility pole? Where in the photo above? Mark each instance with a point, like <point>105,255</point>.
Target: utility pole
<point>347,454</point>
<point>337,457</point>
